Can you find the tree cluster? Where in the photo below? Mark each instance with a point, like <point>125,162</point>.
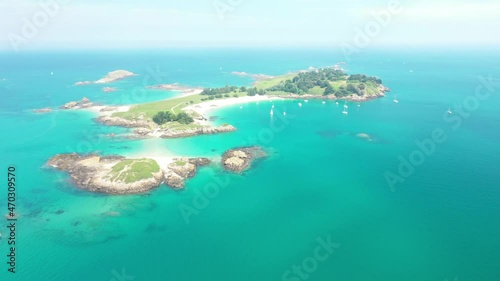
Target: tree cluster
<point>163,117</point>
<point>254,91</point>
<point>364,79</point>
<point>220,91</point>
<point>305,81</point>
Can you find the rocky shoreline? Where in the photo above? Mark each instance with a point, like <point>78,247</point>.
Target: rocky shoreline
<point>352,98</point>
<point>240,159</point>
<point>84,103</point>
<point>97,173</point>
<point>119,175</point>
<point>148,129</point>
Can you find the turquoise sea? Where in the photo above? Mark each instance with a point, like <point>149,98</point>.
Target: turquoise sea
<point>321,181</point>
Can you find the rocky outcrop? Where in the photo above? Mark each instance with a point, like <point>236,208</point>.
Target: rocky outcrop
<point>182,169</point>
<point>109,89</point>
<point>84,103</point>
<point>240,159</point>
<point>175,133</point>
<point>95,173</point>
<point>256,77</point>
<point>91,172</point>
<point>122,122</point>
<point>110,77</point>
<point>173,87</point>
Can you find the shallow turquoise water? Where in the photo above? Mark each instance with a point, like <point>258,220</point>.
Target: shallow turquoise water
<point>320,179</point>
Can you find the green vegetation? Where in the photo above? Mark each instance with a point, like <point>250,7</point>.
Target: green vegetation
<point>268,83</point>
<point>220,91</point>
<point>321,82</point>
<point>129,171</point>
<point>180,163</point>
<point>149,110</point>
<point>326,82</point>
<point>163,117</point>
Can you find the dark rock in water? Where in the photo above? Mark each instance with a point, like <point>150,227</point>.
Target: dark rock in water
<point>58,212</point>
<point>240,159</point>
<point>76,223</point>
<point>213,118</point>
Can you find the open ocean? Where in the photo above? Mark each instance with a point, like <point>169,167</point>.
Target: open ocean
<point>321,181</point>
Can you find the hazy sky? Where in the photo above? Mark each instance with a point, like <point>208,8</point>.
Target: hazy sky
<point>165,23</point>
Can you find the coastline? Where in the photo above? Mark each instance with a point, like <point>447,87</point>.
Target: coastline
<point>209,106</point>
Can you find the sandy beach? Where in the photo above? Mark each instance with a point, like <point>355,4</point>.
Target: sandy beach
<point>155,149</point>
<point>205,107</point>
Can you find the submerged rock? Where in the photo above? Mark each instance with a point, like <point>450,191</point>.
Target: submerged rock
<point>43,110</point>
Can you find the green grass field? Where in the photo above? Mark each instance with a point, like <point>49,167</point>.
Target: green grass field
<point>268,83</point>
<point>129,171</point>
<point>148,110</point>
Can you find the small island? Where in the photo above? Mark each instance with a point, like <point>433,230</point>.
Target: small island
<point>118,175</point>
<point>110,77</point>
<point>240,159</point>
<point>184,116</point>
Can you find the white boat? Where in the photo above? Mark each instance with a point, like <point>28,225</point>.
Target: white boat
<point>449,111</point>
<point>272,112</point>
<point>241,107</point>
<point>337,102</point>
<point>345,106</point>
<point>345,112</point>
<point>395,101</point>
<point>324,102</point>
<point>273,106</point>
<point>300,104</point>
<point>306,100</point>
<point>284,113</point>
